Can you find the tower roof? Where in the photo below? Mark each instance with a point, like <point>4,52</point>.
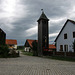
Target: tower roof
<point>2,31</point>
<point>43,16</point>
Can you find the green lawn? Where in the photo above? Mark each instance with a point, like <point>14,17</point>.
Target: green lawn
<point>26,53</point>
<point>61,58</point>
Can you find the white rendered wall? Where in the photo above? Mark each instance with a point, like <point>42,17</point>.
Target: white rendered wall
<point>27,49</point>
<point>15,46</point>
<point>69,29</point>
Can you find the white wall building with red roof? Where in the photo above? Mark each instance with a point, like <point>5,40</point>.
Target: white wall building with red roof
<point>66,37</point>
<point>12,44</point>
<point>28,45</point>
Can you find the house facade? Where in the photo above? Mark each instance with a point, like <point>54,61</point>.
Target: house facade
<point>2,37</point>
<point>12,44</point>
<point>28,45</point>
<point>66,37</point>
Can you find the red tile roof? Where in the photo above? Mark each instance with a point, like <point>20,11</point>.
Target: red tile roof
<point>51,46</point>
<point>30,41</point>
<point>10,41</point>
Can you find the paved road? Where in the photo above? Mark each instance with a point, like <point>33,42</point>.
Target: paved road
<point>29,65</point>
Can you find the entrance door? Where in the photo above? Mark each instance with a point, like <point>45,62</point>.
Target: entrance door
<point>66,48</point>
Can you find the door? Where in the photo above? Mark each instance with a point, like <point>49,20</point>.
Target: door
<point>66,48</point>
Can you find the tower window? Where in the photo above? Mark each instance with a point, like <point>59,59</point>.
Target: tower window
<point>44,22</point>
<point>73,34</point>
<point>65,36</point>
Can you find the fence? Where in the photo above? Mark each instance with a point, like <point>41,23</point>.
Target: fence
<point>65,54</point>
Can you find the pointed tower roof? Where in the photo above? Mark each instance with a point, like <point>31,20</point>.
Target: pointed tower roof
<point>43,16</point>
<point>2,31</point>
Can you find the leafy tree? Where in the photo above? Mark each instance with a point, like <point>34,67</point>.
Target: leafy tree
<point>74,46</point>
<point>34,48</point>
<point>4,50</point>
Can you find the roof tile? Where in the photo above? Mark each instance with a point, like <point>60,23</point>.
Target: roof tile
<point>10,41</point>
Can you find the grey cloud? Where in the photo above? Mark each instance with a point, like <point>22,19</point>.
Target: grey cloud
<point>56,27</point>
<point>23,20</point>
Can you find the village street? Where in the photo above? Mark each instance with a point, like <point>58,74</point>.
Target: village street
<point>30,65</point>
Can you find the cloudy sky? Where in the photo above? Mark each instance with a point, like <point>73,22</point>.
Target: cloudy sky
<point>18,18</point>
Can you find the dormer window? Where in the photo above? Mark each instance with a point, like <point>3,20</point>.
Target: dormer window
<point>65,36</point>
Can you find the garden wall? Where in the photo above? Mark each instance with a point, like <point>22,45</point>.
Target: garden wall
<point>65,54</point>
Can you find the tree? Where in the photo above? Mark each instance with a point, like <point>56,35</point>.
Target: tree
<point>34,48</point>
<point>74,46</point>
<point>4,50</point>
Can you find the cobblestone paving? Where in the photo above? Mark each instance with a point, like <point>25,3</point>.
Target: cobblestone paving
<point>29,65</point>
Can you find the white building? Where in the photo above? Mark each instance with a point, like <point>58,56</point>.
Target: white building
<point>66,37</point>
<point>28,45</point>
<point>12,44</point>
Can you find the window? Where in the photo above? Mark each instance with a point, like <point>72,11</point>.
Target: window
<point>65,36</point>
<point>61,47</point>
<point>73,34</point>
<point>66,48</point>
<point>44,22</point>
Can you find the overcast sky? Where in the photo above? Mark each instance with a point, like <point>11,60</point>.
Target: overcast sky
<point>18,18</point>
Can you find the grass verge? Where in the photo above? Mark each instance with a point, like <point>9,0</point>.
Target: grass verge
<point>26,53</point>
<point>61,58</point>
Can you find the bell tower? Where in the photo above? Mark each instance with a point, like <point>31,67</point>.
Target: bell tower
<point>43,39</point>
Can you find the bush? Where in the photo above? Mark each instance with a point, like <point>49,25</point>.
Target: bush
<point>4,50</point>
<point>20,47</point>
<point>34,48</point>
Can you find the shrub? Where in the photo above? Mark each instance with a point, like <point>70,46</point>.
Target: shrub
<point>4,50</point>
<point>34,48</point>
<point>20,47</point>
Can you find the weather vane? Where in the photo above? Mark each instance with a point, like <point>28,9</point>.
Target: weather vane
<point>42,10</point>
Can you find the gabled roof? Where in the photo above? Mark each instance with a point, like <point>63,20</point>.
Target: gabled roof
<point>51,46</point>
<point>11,41</point>
<point>64,26</point>
<point>30,42</point>
<point>43,16</point>
<point>2,31</point>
